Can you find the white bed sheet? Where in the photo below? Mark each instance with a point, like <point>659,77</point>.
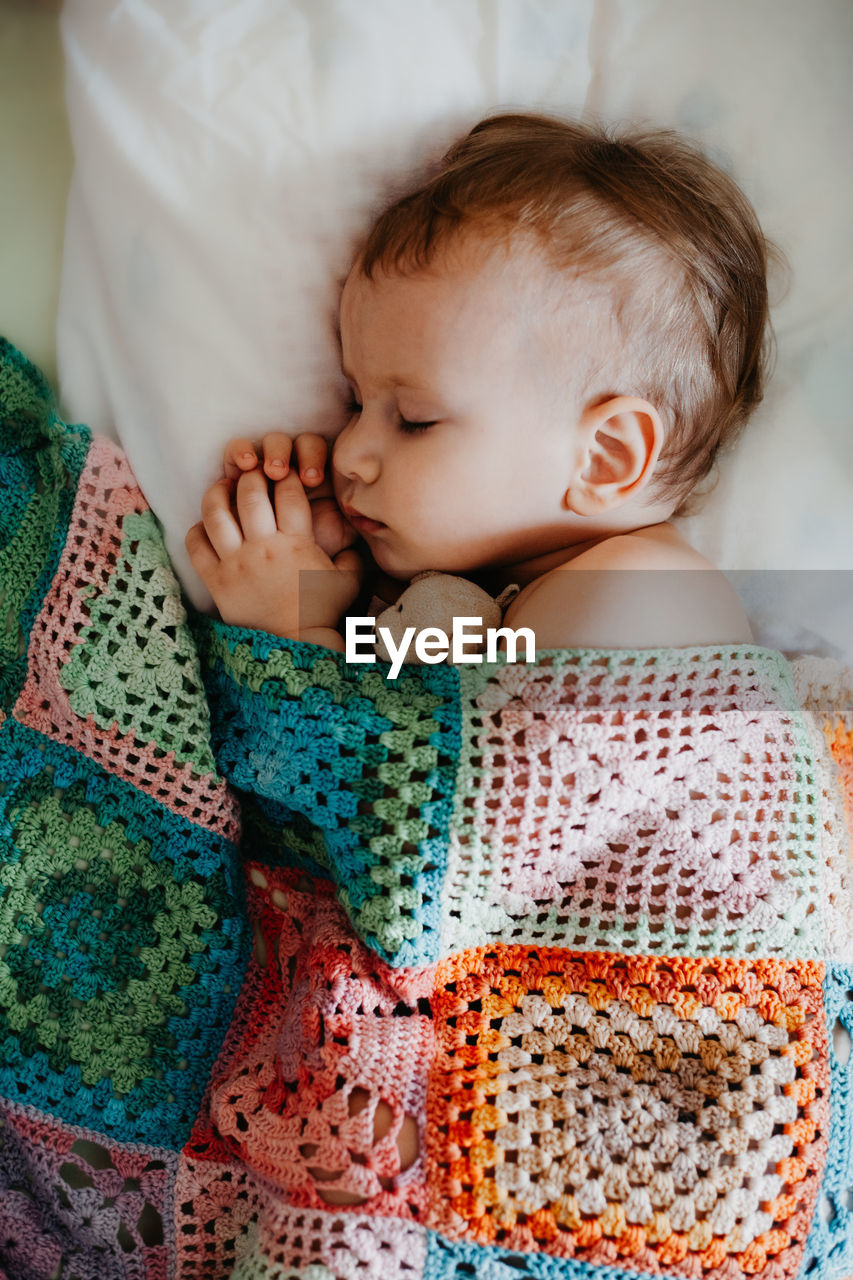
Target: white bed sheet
<point>228,154</point>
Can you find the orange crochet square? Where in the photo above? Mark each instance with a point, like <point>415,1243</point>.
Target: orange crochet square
<point>665,1113</point>
<point>840,740</point>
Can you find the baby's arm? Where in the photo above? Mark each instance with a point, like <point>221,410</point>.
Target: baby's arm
<point>259,556</point>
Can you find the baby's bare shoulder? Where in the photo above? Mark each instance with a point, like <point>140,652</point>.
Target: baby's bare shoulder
<point>641,590</point>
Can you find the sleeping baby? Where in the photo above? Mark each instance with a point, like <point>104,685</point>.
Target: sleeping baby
<point>546,955</point>
<point>547,345</point>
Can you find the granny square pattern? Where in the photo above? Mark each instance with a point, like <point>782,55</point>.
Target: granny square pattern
<point>309,974</point>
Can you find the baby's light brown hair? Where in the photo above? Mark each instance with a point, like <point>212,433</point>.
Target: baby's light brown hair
<point>669,235</point>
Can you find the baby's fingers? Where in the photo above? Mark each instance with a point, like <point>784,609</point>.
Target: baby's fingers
<point>240,455</point>
<point>292,508</point>
<point>331,531</point>
<point>311,452</point>
<point>220,524</point>
<point>350,567</point>
<point>350,561</point>
<point>203,558</point>
<point>276,447</point>
<point>254,509</point>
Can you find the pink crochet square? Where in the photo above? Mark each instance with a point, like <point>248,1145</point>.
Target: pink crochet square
<point>332,1061</point>
<point>625,819</point>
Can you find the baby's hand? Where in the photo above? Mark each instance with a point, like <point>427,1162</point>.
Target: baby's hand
<point>309,452</point>
<point>250,551</point>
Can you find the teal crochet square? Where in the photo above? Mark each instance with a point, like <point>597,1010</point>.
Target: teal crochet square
<point>40,462</point>
<point>125,943</point>
<point>458,1260</point>
<point>829,1249</point>
<point>368,763</point>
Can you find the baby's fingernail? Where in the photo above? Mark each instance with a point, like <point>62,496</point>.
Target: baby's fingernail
<point>247,457</point>
<point>312,474</point>
<point>276,462</point>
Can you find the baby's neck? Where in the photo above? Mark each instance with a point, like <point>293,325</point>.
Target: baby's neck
<point>528,570</point>
<point>524,571</point>
<point>521,572</point>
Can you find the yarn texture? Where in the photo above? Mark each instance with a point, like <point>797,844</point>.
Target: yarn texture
<point>583,927</point>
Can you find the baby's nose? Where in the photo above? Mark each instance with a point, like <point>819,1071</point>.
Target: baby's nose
<point>354,454</point>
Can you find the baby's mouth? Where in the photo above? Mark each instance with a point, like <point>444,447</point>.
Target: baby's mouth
<point>363,524</point>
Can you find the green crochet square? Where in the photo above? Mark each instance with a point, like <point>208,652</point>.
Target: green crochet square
<point>123,944</point>
<point>40,461</point>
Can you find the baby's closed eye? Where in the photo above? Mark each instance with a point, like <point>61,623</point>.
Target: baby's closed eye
<point>412,428</point>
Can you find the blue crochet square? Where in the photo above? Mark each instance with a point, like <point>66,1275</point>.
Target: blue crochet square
<point>125,946</point>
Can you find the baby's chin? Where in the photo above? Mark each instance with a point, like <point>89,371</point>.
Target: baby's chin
<point>404,567</point>
<point>391,567</point>
<point>397,566</point>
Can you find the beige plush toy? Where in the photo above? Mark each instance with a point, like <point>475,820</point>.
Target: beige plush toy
<point>434,599</point>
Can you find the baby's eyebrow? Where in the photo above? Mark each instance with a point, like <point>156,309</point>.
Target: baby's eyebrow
<point>410,383</point>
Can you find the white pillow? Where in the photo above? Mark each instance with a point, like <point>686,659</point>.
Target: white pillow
<point>228,155</point>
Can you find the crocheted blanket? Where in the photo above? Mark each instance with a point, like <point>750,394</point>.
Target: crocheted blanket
<point>549,958</point>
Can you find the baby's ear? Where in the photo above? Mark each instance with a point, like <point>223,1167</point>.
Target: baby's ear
<point>619,443</point>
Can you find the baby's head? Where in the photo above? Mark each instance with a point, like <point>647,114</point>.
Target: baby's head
<point>549,340</point>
